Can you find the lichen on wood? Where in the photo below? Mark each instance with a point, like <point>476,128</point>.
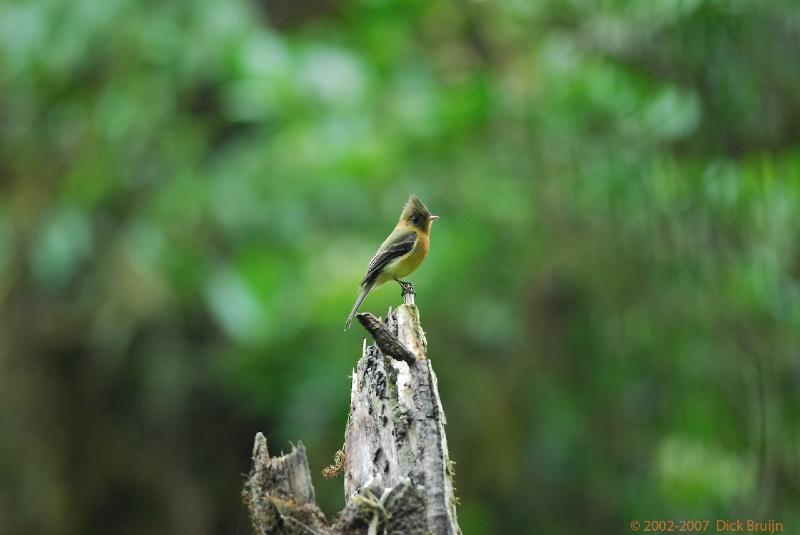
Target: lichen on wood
<point>280,495</point>
<point>397,470</point>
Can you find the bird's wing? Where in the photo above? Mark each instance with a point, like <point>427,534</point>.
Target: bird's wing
<point>393,247</point>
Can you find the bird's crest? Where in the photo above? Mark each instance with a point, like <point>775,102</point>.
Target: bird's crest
<point>414,206</point>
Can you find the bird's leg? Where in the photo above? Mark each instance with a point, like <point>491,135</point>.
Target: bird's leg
<point>407,288</point>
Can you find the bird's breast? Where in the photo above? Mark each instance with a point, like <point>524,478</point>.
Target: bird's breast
<point>409,262</point>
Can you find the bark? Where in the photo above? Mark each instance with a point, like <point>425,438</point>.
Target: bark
<point>398,478</point>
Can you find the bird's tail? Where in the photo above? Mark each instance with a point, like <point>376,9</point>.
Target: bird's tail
<point>360,299</point>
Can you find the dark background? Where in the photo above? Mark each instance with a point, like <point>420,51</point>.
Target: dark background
<point>190,191</point>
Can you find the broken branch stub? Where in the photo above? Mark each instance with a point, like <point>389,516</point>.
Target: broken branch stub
<point>280,495</point>
<point>395,432</point>
<point>397,470</point>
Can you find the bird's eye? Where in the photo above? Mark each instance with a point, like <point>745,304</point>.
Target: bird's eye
<point>415,219</point>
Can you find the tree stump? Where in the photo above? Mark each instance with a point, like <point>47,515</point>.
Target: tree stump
<point>398,477</point>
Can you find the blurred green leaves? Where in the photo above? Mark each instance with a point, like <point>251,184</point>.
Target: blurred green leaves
<point>64,241</point>
<point>190,191</point>
<point>696,477</point>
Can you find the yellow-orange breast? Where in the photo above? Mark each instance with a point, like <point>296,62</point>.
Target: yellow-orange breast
<point>409,262</point>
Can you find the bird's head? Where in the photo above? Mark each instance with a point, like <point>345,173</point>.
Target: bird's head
<point>416,214</point>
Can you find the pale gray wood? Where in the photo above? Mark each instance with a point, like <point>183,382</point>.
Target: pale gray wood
<point>395,432</point>
<point>397,471</point>
<point>280,495</point>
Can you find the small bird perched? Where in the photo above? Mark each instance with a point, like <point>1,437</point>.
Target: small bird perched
<point>401,253</point>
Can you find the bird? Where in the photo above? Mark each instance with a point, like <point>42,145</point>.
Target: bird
<point>400,254</point>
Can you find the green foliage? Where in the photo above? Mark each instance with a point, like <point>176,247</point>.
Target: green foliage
<point>191,190</point>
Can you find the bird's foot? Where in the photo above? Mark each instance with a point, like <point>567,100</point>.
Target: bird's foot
<point>407,287</point>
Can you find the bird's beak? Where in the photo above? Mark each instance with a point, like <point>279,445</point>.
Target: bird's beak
<point>433,217</point>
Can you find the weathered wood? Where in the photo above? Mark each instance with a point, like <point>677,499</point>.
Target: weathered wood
<point>279,493</point>
<point>395,432</point>
<point>397,471</point>
<point>386,341</point>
